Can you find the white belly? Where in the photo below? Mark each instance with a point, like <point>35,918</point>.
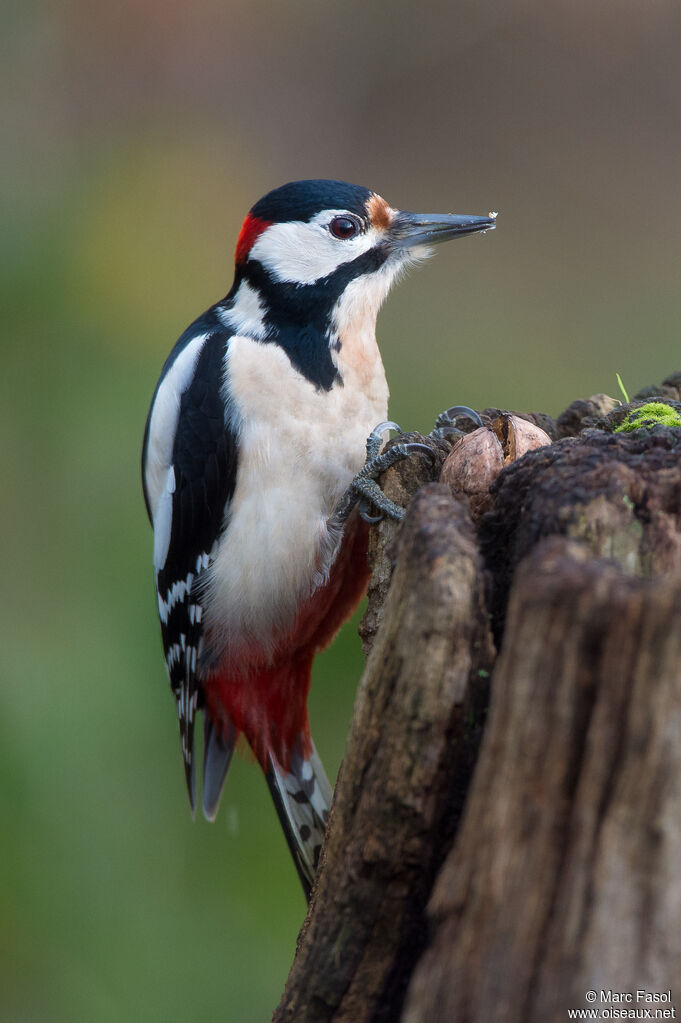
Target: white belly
<point>299,448</point>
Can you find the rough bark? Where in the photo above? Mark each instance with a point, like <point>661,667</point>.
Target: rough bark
<point>618,493</point>
<point>565,875</point>
<point>410,752</point>
<point>400,483</point>
<point>556,870</point>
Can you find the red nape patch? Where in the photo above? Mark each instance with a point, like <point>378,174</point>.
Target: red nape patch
<point>250,229</point>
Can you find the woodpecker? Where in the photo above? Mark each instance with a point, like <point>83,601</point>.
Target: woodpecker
<point>253,445</point>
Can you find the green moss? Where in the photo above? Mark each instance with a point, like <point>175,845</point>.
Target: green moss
<point>651,414</point>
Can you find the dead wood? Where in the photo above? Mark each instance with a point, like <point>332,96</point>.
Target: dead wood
<point>557,869</point>
<point>409,756</point>
<point>565,874</point>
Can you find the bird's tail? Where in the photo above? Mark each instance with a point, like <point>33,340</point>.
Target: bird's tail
<point>302,795</point>
<point>218,746</point>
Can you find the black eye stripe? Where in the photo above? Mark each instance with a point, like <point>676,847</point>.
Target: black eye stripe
<point>345,227</point>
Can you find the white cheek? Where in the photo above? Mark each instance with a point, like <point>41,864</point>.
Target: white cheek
<point>300,253</point>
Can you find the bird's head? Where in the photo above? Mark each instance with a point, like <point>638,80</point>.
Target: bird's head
<point>313,253</point>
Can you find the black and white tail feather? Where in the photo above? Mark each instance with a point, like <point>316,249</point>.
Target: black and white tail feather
<point>302,797</point>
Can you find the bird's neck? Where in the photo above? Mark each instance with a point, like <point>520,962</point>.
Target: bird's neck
<point>326,333</point>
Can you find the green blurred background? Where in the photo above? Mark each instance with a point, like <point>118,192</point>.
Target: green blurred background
<point>137,135</point>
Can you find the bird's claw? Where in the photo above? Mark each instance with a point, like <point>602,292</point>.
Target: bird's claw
<point>445,424</point>
<point>363,509</point>
<point>364,490</point>
<point>415,445</point>
<point>375,438</point>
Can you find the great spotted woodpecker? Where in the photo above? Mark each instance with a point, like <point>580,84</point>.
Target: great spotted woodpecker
<point>256,431</point>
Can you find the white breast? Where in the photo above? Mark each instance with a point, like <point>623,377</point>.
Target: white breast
<point>299,448</point>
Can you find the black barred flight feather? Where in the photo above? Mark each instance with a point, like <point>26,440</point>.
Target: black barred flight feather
<point>203,461</point>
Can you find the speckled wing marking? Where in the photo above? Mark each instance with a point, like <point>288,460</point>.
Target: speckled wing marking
<point>202,478</point>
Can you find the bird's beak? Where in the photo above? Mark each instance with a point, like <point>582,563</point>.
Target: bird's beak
<point>408,230</point>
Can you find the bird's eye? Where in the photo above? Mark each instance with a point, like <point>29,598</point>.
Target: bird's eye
<point>344,227</point>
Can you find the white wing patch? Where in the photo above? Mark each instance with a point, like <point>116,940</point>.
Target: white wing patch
<point>163,520</point>
<point>162,429</point>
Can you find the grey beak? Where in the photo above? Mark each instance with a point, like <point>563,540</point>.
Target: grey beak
<point>411,229</point>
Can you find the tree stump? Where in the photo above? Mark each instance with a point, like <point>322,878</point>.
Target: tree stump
<point>506,829</point>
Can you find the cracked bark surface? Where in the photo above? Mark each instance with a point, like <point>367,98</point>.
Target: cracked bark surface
<point>565,874</point>
<point>499,881</point>
<point>400,792</point>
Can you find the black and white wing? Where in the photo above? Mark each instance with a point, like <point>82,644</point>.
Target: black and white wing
<point>189,467</point>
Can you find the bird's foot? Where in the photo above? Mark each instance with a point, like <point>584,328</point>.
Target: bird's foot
<point>364,490</point>
<point>446,422</point>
